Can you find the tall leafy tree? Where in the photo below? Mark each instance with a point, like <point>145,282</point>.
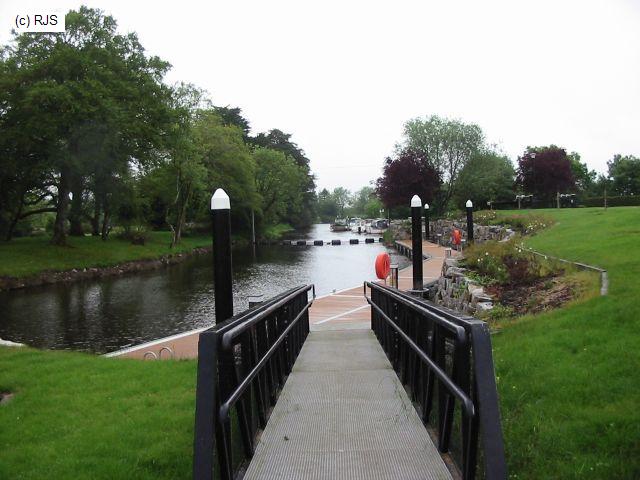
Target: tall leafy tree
<point>63,85</point>
<point>545,171</point>
<point>361,198</point>
<point>624,172</point>
<point>446,145</point>
<point>280,183</point>
<point>278,140</point>
<point>487,176</point>
<point>585,179</point>
<point>229,164</point>
<point>232,116</point>
<point>327,208</point>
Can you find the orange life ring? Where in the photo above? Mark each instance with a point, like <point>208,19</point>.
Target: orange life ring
<point>457,237</point>
<point>383,265</point>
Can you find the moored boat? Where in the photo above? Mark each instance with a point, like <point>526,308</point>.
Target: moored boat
<point>339,225</point>
<point>378,226</point>
<point>357,225</point>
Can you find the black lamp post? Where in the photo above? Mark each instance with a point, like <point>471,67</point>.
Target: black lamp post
<point>416,241</point>
<point>222,278</point>
<point>426,221</point>
<point>469,222</point>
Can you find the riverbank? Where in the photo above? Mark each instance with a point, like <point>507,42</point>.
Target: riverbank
<point>26,262</point>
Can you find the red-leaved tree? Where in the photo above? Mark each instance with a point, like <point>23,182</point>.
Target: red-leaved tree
<point>406,175</point>
<point>543,171</point>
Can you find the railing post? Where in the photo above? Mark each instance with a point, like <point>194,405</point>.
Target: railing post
<point>416,242</point>
<point>206,403</point>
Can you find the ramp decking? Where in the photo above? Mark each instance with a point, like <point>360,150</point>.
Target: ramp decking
<point>343,414</point>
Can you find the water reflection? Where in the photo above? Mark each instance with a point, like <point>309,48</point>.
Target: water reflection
<point>111,313</point>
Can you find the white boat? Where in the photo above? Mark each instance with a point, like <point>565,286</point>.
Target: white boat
<point>339,225</point>
<point>357,225</point>
<point>378,226</point>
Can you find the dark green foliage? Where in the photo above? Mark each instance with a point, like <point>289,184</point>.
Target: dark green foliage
<point>90,133</point>
<point>278,140</point>
<point>487,177</point>
<point>624,172</point>
<point>624,201</point>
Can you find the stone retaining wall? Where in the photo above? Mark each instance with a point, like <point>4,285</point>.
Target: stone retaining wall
<point>458,292</point>
<point>440,231</point>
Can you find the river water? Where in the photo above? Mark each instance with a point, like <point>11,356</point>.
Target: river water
<point>111,313</point>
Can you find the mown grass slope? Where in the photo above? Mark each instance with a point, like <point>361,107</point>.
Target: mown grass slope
<point>569,380</point>
<point>78,416</point>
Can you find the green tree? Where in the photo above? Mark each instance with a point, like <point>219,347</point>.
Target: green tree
<point>486,177</point>
<point>342,198</point>
<point>280,184</point>
<point>229,165</point>
<point>624,172</point>
<point>232,116</point>
<point>372,208</point>
<point>360,199</point>
<point>84,78</point>
<point>585,179</point>
<point>327,208</point>
<point>278,140</point>
<point>446,144</point>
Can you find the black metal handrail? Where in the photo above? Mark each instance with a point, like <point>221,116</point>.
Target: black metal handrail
<point>243,363</point>
<point>444,357</point>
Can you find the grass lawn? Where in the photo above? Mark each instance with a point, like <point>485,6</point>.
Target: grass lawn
<point>78,416</point>
<point>569,384</point>
<point>22,257</point>
<point>569,380</point>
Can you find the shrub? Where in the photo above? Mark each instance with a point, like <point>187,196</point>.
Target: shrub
<point>507,263</point>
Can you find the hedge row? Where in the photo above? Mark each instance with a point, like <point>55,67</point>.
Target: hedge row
<point>622,201</point>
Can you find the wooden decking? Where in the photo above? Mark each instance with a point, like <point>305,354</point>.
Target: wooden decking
<point>342,310</point>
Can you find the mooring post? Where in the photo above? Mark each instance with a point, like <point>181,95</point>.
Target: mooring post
<point>469,222</point>
<point>426,222</point>
<point>416,241</point>
<point>222,278</point>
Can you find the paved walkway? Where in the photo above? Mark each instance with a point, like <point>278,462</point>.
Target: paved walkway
<point>348,309</point>
<point>343,414</point>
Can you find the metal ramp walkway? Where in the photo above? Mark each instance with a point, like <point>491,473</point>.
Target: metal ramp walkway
<point>275,400</point>
<point>343,414</point>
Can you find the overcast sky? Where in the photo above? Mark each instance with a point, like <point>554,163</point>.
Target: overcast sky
<point>343,76</point>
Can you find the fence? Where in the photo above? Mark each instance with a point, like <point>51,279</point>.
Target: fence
<point>444,360</point>
<point>242,366</point>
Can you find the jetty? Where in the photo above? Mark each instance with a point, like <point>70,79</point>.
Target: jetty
<point>368,382</point>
